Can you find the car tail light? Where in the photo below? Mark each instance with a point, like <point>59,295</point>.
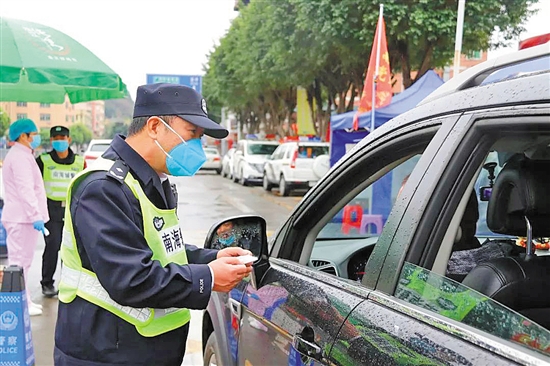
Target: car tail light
<point>293,161</point>
<point>89,157</point>
<point>216,158</point>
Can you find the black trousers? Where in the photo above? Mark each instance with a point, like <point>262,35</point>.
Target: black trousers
<point>51,252</point>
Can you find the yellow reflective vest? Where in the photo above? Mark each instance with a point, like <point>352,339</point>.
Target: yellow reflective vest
<point>58,176</point>
<point>163,234</point>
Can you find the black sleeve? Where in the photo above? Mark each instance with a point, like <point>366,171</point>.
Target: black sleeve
<point>200,255</point>
<point>40,164</point>
<point>106,229</point>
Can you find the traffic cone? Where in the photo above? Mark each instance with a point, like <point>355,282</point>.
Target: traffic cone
<point>16,347</point>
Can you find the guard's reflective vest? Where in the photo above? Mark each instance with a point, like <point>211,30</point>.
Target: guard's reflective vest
<point>163,234</point>
<point>58,176</point>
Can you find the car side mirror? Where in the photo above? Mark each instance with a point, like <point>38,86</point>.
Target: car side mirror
<point>238,152</point>
<point>248,232</point>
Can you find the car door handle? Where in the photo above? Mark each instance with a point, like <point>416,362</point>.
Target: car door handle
<point>235,308</point>
<point>307,348</point>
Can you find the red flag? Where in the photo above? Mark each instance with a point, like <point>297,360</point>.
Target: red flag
<point>383,80</point>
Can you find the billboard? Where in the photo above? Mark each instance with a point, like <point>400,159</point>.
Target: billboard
<point>192,81</point>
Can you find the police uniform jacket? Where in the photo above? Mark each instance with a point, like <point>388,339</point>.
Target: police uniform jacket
<point>56,208</point>
<point>108,228</point>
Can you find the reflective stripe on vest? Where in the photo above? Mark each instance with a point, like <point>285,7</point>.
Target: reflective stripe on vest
<point>58,176</point>
<point>163,235</point>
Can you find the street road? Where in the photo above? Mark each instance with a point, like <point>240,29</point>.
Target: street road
<point>204,200</point>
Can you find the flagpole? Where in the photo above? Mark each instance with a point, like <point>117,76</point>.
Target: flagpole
<point>458,36</point>
<point>375,78</point>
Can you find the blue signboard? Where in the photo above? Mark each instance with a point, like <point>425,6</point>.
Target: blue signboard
<point>16,347</point>
<point>192,81</point>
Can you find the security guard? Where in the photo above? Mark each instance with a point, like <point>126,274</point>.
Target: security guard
<point>58,167</point>
<point>128,278</point>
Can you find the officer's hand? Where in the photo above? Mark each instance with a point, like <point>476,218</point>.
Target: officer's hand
<point>39,226</point>
<point>233,252</point>
<point>228,272</point>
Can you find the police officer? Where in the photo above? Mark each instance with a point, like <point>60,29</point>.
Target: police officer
<point>58,167</point>
<point>128,278</point>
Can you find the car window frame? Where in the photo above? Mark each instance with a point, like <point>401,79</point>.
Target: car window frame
<point>432,227</point>
<point>289,243</point>
<point>473,127</point>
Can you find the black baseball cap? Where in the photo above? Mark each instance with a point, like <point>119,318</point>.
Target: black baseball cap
<point>163,99</point>
<point>59,131</point>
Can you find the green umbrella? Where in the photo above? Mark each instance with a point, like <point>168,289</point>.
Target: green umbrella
<point>41,64</point>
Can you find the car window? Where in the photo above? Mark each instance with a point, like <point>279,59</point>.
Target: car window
<point>99,147</point>
<point>311,152</point>
<point>288,152</point>
<point>279,152</point>
<point>345,237</point>
<point>261,149</point>
<point>365,214</point>
<point>453,300</point>
<point>481,275</point>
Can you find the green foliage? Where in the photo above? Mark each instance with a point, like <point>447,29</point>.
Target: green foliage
<point>45,137</point>
<point>115,127</point>
<point>4,122</point>
<point>272,47</point>
<point>80,134</point>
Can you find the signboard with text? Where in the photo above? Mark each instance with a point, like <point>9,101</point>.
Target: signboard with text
<point>16,346</point>
<point>192,81</point>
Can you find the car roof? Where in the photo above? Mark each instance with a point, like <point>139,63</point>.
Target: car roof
<point>474,76</point>
<point>261,142</point>
<point>100,141</point>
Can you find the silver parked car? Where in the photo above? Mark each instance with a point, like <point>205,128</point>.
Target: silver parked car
<point>213,160</point>
<point>227,164</point>
<point>296,165</point>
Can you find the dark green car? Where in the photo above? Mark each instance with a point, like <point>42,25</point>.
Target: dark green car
<point>441,281</point>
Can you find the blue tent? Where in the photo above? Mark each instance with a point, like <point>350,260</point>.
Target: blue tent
<point>400,103</point>
<point>343,137</point>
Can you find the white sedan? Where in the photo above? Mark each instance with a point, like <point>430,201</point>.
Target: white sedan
<point>213,160</point>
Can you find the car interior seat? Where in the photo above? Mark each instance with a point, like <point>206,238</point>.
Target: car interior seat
<point>521,283</point>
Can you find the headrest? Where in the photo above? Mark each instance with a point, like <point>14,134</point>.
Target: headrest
<point>466,235</point>
<point>521,190</point>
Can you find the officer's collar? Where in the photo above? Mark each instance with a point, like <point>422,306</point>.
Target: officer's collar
<point>139,167</point>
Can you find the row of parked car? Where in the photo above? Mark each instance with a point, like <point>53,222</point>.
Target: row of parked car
<point>288,166</point>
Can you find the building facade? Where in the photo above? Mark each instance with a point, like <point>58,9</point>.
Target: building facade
<point>45,115</point>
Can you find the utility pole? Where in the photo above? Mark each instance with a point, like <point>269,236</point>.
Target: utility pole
<point>458,36</point>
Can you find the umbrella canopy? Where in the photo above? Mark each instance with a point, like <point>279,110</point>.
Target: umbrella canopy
<point>42,64</point>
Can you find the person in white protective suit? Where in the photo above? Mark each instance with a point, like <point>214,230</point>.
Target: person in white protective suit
<point>25,207</point>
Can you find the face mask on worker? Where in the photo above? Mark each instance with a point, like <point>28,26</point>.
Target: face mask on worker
<point>60,145</point>
<point>227,239</point>
<point>186,158</point>
<point>36,140</point>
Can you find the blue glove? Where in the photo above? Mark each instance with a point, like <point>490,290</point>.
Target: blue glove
<point>39,226</point>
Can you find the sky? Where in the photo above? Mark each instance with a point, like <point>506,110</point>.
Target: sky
<point>136,37</point>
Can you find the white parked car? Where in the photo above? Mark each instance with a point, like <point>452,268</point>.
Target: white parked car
<point>296,165</point>
<point>227,164</point>
<point>95,149</point>
<point>213,160</point>
<point>249,159</point>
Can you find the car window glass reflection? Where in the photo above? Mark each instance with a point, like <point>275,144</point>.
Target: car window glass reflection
<point>451,299</point>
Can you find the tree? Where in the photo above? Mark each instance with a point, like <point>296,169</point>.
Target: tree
<point>4,122</point>
<point>115,127</point>
<point>45,137</point>
<point>273,47</point>
<point>80,135</point>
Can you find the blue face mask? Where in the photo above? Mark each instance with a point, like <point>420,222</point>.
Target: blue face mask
<point>185,159</point>
<point>36,140</point>
<point>60,145</point>
<point>227,241</point>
